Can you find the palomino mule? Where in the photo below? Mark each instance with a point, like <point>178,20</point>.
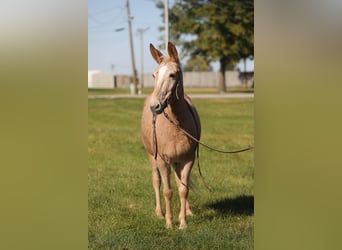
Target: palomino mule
<point>165,143</point>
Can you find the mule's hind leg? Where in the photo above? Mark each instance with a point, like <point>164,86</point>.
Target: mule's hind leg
<point>156,185</point>
<point>188,210</point>
<point>182,173</point>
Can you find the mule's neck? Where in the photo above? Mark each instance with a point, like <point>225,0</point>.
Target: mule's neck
<point>177,103</point>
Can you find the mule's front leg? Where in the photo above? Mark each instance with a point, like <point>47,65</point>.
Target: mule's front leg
<point>165,170</point>
<point>182,178</point>
<point>156,185</point>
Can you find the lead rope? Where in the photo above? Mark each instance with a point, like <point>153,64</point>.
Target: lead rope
<point>154,117</point>
<point>200,172</point>
<point>154,136</point>
<point>155,146</point>
<point>203,144</point>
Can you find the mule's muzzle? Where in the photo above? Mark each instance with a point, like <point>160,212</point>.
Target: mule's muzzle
<point>157,108</point>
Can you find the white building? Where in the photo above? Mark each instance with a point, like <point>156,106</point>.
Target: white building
<point>100,80</point>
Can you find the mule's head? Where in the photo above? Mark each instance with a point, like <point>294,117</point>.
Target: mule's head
<point>167,79</point>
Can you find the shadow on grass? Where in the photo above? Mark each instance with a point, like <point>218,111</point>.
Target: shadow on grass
<point>241,205</point>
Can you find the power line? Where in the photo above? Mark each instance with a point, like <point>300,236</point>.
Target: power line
<point>113,27</point>
<point>109,25</point>
<point>94,19</point>
<point>97,17</point>
<point>108,9</point>
<point>109,20</point>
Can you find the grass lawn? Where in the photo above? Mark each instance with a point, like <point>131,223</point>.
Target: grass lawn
<point>121,197</point>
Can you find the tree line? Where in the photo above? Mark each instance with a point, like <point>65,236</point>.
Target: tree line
<point>212,31</point>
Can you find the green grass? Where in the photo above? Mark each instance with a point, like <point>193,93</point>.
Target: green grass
<point>121,197</point>
<point>149,90</point>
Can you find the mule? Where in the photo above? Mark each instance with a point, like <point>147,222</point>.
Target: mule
<point>166,144</point>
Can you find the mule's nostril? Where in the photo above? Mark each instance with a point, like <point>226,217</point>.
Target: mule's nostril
<point>156,108</point>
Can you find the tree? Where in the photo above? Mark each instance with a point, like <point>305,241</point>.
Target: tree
<point>217,30</point>
<point>199,63</point>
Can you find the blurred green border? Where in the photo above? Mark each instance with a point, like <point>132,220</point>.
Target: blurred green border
<point>43,128</point>
<point>298,126</point>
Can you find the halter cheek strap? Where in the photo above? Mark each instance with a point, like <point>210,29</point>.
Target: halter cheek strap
<point>177,96</point>
<point>174,92</point>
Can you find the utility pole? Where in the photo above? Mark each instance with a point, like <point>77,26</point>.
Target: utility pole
<point>132,49</point>
<point>141,34</point>
<point>166,18</point>
<point>112,67</point>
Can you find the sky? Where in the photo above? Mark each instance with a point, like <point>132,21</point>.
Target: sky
<point>109,50</point>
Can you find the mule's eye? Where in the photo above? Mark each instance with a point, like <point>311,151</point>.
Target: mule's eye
<point>153,76</point>
<point>172,75</point>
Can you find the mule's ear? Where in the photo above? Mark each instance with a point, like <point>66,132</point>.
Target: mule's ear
<point>171,49</point>
<point>156,54</point>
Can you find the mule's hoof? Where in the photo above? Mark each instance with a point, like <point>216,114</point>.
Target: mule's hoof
<point>168,225</point>
<point>160,216</point>
<point>183,226</point>
<point>189,213</point>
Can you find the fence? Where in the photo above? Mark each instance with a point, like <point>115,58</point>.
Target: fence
<point>194,79</point>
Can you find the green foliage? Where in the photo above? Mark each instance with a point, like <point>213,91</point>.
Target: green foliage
<point>217,30</point>
<point>121,197</point>
<point>221,30</point>
<point>199,63</point>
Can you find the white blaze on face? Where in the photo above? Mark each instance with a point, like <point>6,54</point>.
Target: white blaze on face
<point>161,75</point>
<point>159,80</point>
